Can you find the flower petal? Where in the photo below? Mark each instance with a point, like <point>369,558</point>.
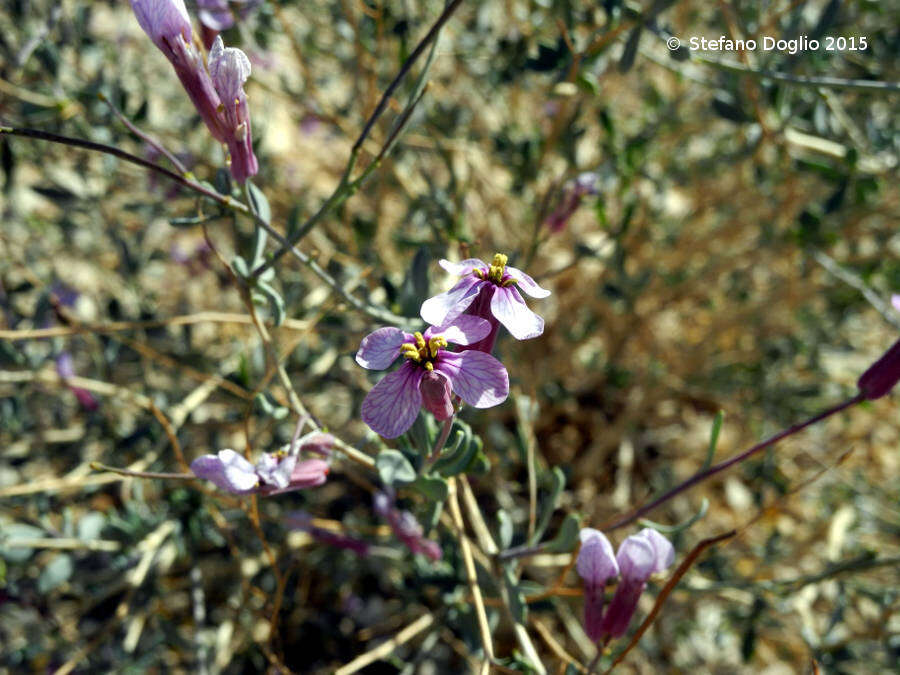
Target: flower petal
<point>477,378</point>
<point>596,563</point>
<point>228,470</point>
<point>443,308</point>
<point>510,310</point>
<point>463,266</point>
<point>464,330</point>
<point>636,558</point>
<point>526,283</point>
<point>163,19</point>
<point>378,349</point>
<point>229,68</point>
<point>275,471</point>
<point>662,548</point>
<point>393,404</point>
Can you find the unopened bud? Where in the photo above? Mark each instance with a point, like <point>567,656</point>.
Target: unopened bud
<point>882,375</point>
<point>435,390</point>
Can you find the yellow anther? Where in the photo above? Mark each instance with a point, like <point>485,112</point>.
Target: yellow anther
<point>499,260</point>
<point>420,341</point>
<point>435,344</point>
<point>429,365</point>
<point>509,282</point>
<point>478,273</point>
<point>409,351</point>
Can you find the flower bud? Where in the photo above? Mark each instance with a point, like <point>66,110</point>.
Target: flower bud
<point>882,375</point>
<point>435,390</point>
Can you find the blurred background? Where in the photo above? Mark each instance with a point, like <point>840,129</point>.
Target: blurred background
<point>737,252</point>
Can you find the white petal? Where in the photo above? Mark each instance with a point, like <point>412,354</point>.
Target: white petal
<point>443,308</point>
<point>526,283</point>
<point>463,266</point>
<point>464,330</point>
<point>509,309</point>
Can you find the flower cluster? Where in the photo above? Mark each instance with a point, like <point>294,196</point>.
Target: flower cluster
<point>639,556</point>
<point>274,472</point>
<point>469,316</point>
<point>215,86</point>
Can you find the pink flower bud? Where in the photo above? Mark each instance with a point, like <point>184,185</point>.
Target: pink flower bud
<point>882,375</point>
<point>435,390</point>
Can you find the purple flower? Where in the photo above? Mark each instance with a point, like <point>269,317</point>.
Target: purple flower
<point>274,473</point>
<point>392,405</point>
<point>639,556</point>
<point>574,192</point>
<point>229,68</point>
<point>300,520</point>
<point>216,89</point>
<point>166,22</point>
<point>488,291</point>
<point>882,375</point>
<point>66,371</point>
<point>405,527</point>
<point>596,565</point>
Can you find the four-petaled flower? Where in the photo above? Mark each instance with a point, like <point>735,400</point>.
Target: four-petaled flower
<point>488,291</point>
<point>274,473</point>
<point>392,405</point>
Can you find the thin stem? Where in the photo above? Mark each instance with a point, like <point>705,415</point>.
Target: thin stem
<point>404,69</point>
<point>347,187</point>
<point>97,466</point>
<point>147,138</point>
<point>225,200</point>
<point>728,463</point>
<point>441,440</point>
<point>834,82</point>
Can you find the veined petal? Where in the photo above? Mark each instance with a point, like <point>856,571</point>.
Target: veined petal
<point>477,378</point>
<point>378,349</point>
<point>443,308</point>
<point>596,563</point>
<point>510,310</point>
<point>664,552</point>
<point>393,404</point>
<point>526,283</point>
<point>229,68</point>
<point>275,471</point>
<point>636,558</point>
<point>464,330</point>
<point>228,470</point>
<point>163,19</point>
<point>463,266</point>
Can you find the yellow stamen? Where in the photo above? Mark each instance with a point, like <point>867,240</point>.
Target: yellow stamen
<point>420,341</point>
<point>498,267</point>
<point>435,344</point>
<point>429,365</point>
